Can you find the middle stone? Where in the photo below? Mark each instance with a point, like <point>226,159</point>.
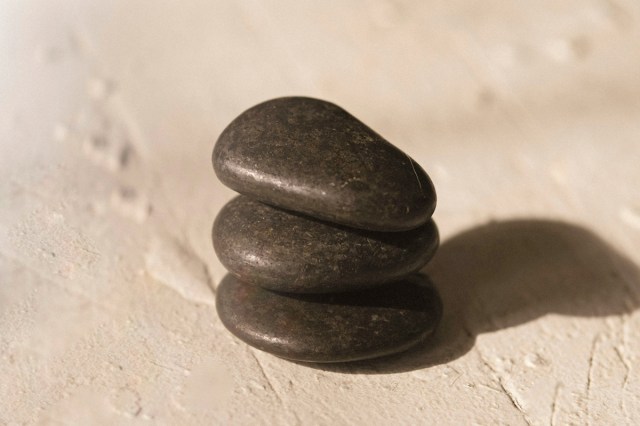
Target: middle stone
<point>289,252</point>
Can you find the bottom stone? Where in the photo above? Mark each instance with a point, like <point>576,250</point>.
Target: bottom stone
<point>330,327</point>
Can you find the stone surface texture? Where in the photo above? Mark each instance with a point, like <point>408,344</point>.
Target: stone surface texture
<point>312,156</point>
<point>278,250</point>
<point>334,327</point>
<point>525,114</point>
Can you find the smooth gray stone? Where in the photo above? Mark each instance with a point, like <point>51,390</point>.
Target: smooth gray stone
<point>330,327</point>
<point>276,249</point>
<point>313,157</point>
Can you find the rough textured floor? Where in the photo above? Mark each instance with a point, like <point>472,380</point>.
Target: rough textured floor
<point>526,115</point>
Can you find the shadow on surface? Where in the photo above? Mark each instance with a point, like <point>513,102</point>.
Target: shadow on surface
<point>508,273</point>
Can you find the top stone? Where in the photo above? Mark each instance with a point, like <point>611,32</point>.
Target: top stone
<point>313,157</point>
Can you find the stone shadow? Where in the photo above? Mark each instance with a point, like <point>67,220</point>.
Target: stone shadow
<point>508,273</point>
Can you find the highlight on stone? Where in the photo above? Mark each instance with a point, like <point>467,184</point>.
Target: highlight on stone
<point>324,243</point>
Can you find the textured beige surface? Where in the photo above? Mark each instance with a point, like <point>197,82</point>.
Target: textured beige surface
<point>526,115</point>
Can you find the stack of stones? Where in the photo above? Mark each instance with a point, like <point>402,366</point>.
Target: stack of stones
<point>325,241</point>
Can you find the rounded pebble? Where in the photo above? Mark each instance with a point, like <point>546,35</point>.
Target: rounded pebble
<point>313,157</point>
<point>278,250</point>
<point>330,327</point>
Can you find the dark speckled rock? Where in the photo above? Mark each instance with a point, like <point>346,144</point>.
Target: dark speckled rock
<point>330,327</point>
<point>313,157</point>
<point>278,250</point>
